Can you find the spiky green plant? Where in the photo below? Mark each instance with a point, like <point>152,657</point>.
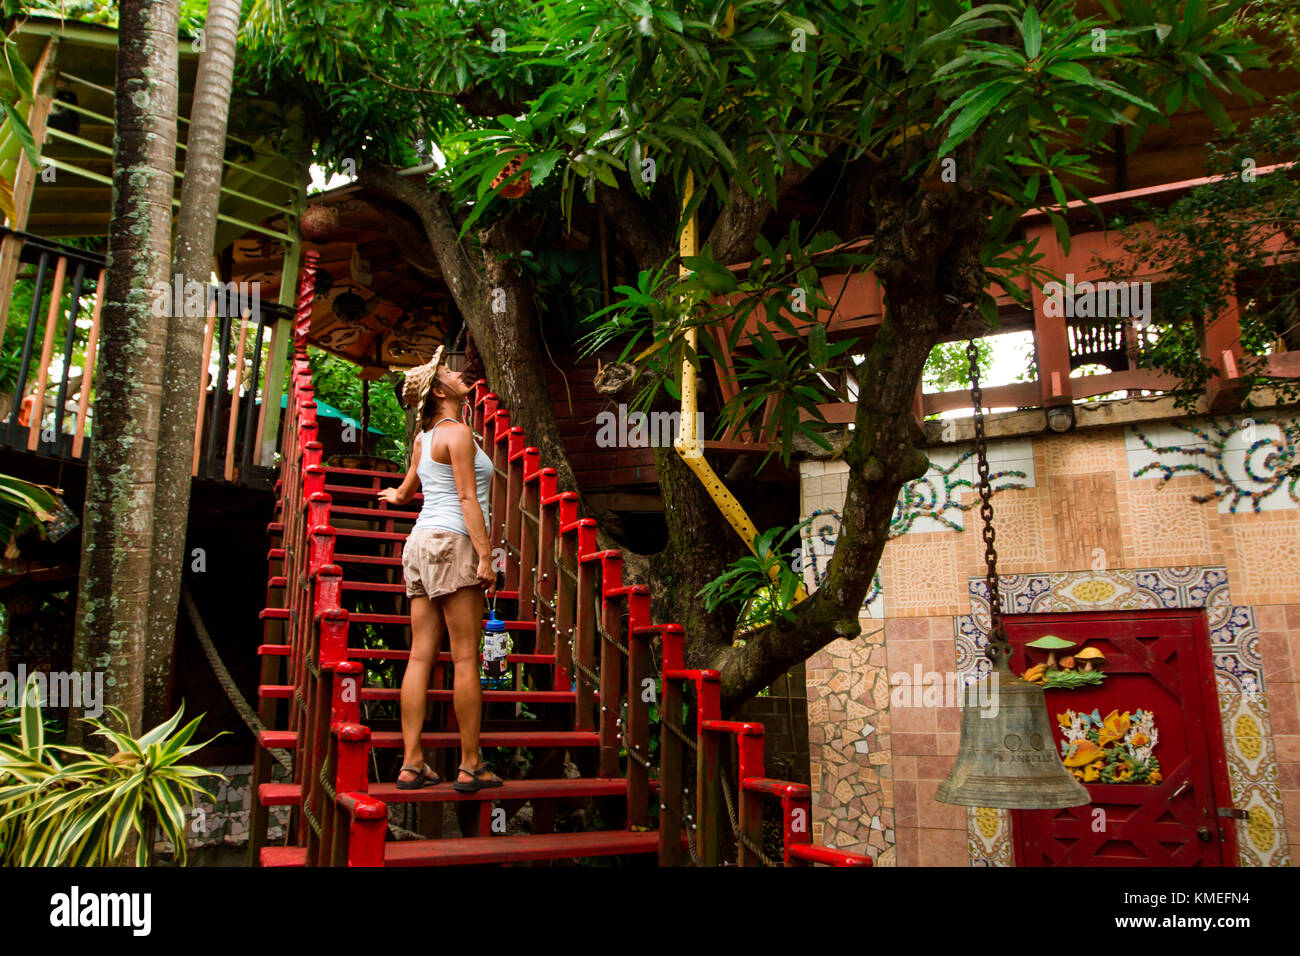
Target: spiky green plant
<point>67,806</point>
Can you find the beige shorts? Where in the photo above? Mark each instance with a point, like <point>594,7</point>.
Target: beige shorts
<point>437,562</point>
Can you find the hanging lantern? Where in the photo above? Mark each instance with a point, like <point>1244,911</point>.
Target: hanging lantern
<point>521,186</point>
<point>318,223</point>
<point>323,282</point>
<point>1007,757</point>
<point>349,308</point>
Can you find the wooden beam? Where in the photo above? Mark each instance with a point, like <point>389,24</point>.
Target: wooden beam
<point>11,247</point>
<point>1222,349</point>
<point>282,331</point>
<point>1051,339</point>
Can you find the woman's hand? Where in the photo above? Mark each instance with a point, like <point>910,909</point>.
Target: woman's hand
<point>391,495</point>
<point>486,576</point>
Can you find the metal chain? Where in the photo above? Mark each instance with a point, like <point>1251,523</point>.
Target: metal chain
<point>998,646</point>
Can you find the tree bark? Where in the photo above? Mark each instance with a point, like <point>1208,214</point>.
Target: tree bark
<point>117,533</point>
<point>196,230</point>
<point>928,259</point>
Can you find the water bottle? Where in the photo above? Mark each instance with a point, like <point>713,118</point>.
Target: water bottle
<point>496,645</point>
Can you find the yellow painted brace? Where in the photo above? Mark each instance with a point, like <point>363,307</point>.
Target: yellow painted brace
<point>689,445</point>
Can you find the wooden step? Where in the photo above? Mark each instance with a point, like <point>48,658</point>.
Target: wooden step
<point>285,692</point>
<point>280,856</point>
<point>392,739</point>
<point>375,514</point>
<point>513,849</point>
<point>335,491</point>
<point>371,535</point>
<point>364,473</point>
<point>383,654</point>
<point>814,853</point>
<point>385,562</point>
<point>288,794</point>
<point>374,587</point>
<point>505,849</point>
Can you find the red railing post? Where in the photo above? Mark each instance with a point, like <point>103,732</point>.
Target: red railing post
<point>640,694</point>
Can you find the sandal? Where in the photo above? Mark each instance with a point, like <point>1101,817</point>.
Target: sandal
<point>476,784</point>
<point>428,777</point>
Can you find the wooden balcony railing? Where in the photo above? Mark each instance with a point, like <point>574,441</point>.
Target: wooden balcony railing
<point>1062,345</point>
<point>49,406</point>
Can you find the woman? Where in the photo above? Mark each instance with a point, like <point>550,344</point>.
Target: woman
<point>446,564</point>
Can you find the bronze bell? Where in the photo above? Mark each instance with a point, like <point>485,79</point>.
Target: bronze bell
<point>1007,757</point>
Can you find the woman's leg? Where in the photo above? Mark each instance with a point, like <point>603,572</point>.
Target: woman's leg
<point>463,611</point>
<point>427,628</point>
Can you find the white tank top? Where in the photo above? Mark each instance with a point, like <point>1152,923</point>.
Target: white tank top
<point>438,483</point>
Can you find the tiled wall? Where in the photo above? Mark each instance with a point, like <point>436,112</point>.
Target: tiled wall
<point>1100,519</point>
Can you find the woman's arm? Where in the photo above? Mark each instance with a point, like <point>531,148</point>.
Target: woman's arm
<point>460,448</point>
<point>406,490</point>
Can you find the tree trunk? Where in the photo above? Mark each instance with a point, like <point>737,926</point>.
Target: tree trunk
<point>927,247</point>
<point>196,230</point>
<point>117,532</point>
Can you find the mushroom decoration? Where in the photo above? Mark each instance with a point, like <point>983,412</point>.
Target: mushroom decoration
<point>1051,643</point>
<point>1090,659</point>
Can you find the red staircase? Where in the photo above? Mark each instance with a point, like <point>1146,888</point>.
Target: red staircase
<point>586,668</point>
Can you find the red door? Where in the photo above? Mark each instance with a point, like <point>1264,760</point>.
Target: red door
<point>1153,804</point>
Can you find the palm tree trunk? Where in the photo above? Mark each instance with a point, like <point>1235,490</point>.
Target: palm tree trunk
<point>117,532</point>
<point>196,231</point>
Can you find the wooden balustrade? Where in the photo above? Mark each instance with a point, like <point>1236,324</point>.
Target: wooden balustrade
<point>52,402</point>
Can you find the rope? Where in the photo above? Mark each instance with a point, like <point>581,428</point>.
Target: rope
<point>735,825</point>
<point>678,731</point>
<point>246,712</point>
<point>687,828</point>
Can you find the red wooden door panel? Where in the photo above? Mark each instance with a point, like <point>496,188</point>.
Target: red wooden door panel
<point>1158,662</point>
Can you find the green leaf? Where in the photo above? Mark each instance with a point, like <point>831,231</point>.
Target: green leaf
<point>1032,28</point>
<point>1074,72</point>
<point>968,119</point>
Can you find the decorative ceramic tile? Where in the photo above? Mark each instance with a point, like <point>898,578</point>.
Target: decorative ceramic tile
<point>928,504</point>
<point>988,834</point>
<point>1252,778</point>
<point>1023,532</point>
<point>1249,461</point>
<point>1162,523</point>
<point>920,572</point>
<point>1268,560</point>
<point>1081,453</point>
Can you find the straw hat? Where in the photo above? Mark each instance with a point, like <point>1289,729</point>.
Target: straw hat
<point>415,385</point>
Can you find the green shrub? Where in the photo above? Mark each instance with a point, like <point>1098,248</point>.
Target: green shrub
<point>67,806</point>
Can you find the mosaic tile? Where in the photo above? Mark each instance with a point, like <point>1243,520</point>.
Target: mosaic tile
<point>1248,461</point>
<point>989,839</point>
